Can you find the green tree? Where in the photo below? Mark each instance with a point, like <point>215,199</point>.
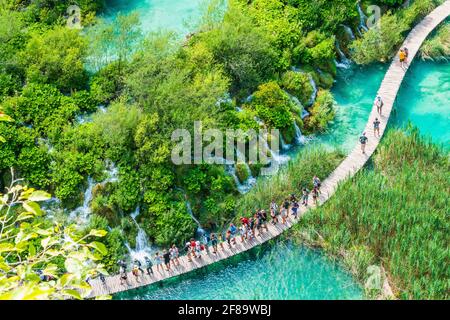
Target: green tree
<point>40,259</point>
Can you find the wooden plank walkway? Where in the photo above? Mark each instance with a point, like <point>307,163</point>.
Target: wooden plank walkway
<point>353,163</point>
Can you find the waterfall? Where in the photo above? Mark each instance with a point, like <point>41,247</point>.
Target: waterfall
<point>81,214</point>
<point>305,114</point>
<point>191,213</point>
<point>313,84</point>
<point>283,143</point>
<point>362,18</point>
<point>276,157</point>
<point>349,32</point>
<point>344,61</point>
<point>299,138</point>
<point>243,187</point>
<point>225,99</point>
<point>143,248</point>
<point>239,109</point>
<point>314,93</point>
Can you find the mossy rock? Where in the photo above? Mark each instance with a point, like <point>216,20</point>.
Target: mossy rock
<point>256,169</point>
<point>330,67</point>
<point>289,134</point>
<point>102,208</point>
<point>326,80</point>
<point>242,172</point>
<point>130,230</point>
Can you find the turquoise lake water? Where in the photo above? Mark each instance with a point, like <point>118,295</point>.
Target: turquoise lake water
<point>283,270</point>
<point>174,15</point>
<point>277,272</point>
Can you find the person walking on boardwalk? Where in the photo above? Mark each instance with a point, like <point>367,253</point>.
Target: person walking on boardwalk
<point>363,140</point>
<point>158,261</point>
<point>102,278</point>
<point>166,256</point>
<point>123,274</point>
<point>263,216</point>
<point>135,272</point>
<point>285,210</point>
<point>376,127</point>
<point>205,243</point>
<point>221,240</point>
<point>149,265</point>
<point>305,195</point>
<point>228,238</point>
<point>379,104</point>
<point>295,207</point>
<point>274,206</point>
<point>139,265</point>
<point>273,215</point>
<point>174,254</point>
<point>402,56</point>
<point>187,249</point>
<point>193,247</point>
<point>317,183</point>
<point>233,231</point>
<point>243,232</point>
<point>315,195</point>
<point>214,242</point>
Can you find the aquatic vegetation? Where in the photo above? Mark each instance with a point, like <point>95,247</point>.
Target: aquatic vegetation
<point>290,179</point>
<point>394,215</point>
<point>438,47</point>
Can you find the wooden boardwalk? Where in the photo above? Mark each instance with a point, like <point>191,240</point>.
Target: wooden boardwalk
<point>353,163</point>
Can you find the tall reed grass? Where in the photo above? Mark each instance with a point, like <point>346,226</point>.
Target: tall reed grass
<point>290,179</point>
<point>395,215</point>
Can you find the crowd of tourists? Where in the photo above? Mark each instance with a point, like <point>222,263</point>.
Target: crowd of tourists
<point>249,228</point>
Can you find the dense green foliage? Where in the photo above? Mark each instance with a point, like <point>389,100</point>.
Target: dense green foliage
<point>380,42</point>
<point>394,215</point>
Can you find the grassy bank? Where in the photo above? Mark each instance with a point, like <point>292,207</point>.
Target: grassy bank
<point>394,215</point>
<point>291,179</point>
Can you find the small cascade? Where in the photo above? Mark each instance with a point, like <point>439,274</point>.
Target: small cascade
<point>259,121</point>
<point>305,114</point>
<point>112,172</point>
<point>315,90</point>
<point>275,156</point>
<point>299,137</point>
<point>239,109</point>
<point>349,32</point>
<point>143,248</point>
<point>200,231</point>
<point>81,214</point>
<point>313,84</point>
<point>344,61</point>
<point>362,18</point>
<point>248,99</point>
<point>243,187</point>
<point>87,117</point>
<point>226,99</point>
<point>284,145</point>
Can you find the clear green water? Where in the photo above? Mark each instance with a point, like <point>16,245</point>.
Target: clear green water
<point>283,270</point>
<point>424,99</point>
<point>179,16</point>
<point>276,272</point>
